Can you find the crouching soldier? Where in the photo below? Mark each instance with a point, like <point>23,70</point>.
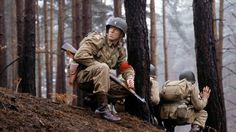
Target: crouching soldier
<point>96,56</point>
<point>154,96</point>
<point>183,103</point>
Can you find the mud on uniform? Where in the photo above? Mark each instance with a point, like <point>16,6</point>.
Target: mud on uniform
<point>190,110</point>
<point>96,57</point>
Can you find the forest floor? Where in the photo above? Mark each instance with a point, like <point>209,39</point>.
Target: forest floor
<point>23,112</point>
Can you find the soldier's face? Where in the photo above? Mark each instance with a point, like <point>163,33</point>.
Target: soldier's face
<point>114,33</point>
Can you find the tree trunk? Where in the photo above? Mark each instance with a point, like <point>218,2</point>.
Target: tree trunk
<point>47,61</point>
<point>87,17</point>
<point>138,53</point>
<point>73,22</point>
<point>74,43</point>
<point>85,27</point>
<point>3,47</point>
<point>117,8</point>
<point>38,56</point>
<point>206,63</point>
<point>78,23</point>
<point>51,60</point>
<point>20,36</point>
<point>10,39</point>
<point>153,36</point>
<point>78,38</point>
<point>219,45</point>
<point>164,40</point>
<point>28,69</point>
<point>60,81</point>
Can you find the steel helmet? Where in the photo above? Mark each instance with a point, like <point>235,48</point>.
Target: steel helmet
<point>152,70</point>
<point>188,75</point>
<point>117,22</point>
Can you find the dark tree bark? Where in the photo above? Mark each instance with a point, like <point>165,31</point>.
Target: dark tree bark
<point>206,63</point>
<point>60,81</point>
<point>3,73</point>
<point>138,53</point>
<point>76,37</point>
<point>84,27</point>
<point>87,17</point>
<point>20,35</point>
<point>27,84</point>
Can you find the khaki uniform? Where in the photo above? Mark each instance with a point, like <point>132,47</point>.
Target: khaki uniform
<point>96,57</point>
<point>189,110</point>
<point>155,98</point>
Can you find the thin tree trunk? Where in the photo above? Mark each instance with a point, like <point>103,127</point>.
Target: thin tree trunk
<point>45,7</point>
<point>87,17</point>
<point>153,36</point>
<point>14,78</point>
<point>20,36</point>
<point>78,23</point>
<point>10,32</point>
<point>3,47</point>
<point>73,22</point>
<point>85,27</point>
<point>74,91</point>
<point>117,8</point>
<point>165,40</point>
<point>28,78</point>
<point>219,44</point>
<point>38,56</point>
<point>51,60</point>
<point>78,38</point>
<point>60,81</point>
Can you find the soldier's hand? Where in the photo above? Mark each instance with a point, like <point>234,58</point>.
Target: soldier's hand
<point>130,82</point>
<point>205,92</point>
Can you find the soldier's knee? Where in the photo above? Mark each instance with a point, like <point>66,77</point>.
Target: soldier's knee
<point>102,67</point>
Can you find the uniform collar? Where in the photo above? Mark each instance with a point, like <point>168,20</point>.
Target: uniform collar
<point>117,44</point>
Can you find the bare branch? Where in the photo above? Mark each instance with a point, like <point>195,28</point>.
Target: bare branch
<point>233,14</point>
<point>232,87</point>
<point>228,75</point>
<point>229,69</point>
<point>231,102</point>
<point>230,63</point>
<point>230,4</point>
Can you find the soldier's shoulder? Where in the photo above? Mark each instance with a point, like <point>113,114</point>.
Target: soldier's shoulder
<point>95,35</point>
<point>94,38</point>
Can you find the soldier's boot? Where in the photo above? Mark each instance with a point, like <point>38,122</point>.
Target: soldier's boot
<point>195,128</point>
<point>103,109</point>
<point>170,129</point>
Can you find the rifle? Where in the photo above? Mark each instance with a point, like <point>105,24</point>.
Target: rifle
<point>68,47</point>
<point>118,81</point>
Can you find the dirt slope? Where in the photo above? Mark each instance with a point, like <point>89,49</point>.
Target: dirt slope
<point>23,112</point>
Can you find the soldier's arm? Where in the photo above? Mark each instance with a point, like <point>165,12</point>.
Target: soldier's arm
<point>198,102</point>
<point>87,51</point>
<point>126,70</point>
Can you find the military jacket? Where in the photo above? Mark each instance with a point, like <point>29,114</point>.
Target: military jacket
<point>95,49</point>
<point>192,102</point>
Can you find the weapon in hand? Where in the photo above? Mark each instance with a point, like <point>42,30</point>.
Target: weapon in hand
<point>118,81</point>
<point>68,47</point>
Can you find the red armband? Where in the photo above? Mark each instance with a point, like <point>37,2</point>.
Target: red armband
<point>124,66</point>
